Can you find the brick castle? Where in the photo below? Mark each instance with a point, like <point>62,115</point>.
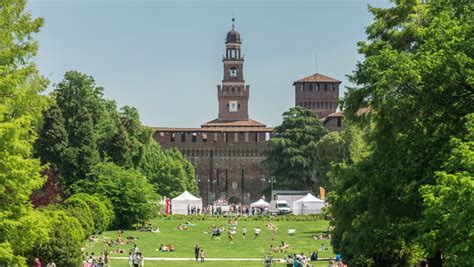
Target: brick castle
<point>227,152</point>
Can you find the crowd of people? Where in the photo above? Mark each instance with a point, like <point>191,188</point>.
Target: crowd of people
<point>92,260</point>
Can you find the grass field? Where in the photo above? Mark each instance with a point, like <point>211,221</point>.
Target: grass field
<point>184,241</point>
<point>123,263</point>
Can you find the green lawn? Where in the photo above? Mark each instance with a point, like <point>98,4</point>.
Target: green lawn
<point>184,241</point>
<point>124,263</point>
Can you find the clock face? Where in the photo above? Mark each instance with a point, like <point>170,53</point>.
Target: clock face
<point>233,106</point>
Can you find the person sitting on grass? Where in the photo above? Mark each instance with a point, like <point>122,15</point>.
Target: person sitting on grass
<point>163,248</point>
<point>170,248</point>
<point>182,227</point>
<point>284,246</point>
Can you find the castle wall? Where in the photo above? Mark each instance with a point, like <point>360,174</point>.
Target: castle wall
<point>227,163</point>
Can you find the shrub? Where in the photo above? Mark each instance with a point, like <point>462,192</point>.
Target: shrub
<point>65,239</point>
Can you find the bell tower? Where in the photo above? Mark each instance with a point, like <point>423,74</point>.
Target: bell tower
<point>233,94</point>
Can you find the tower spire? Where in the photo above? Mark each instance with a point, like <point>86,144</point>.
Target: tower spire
<point>233,20</point>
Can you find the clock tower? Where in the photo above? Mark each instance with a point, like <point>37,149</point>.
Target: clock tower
<point>233,94</point>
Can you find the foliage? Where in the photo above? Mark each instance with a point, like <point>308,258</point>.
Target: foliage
<point>50,193</point>
<point>133,198</point>
<point>65,239</point>
<point>77,207</point>
<point>335,148</point>
<point>101,210</point>
<point>292,149</point>
<point>20,107</point>
<point>417,80</point>
<point>168,170</point>
<point>450,204</point>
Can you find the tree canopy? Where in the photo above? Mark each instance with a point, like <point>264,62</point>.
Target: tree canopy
<point>416,80</point>
<point>20,108</point>
<point>292,149</point>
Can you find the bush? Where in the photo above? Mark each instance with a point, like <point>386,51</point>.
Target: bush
<point>65,239</point>
<point>133,198</point>
<point>102,214</point>
<point>79,209</point>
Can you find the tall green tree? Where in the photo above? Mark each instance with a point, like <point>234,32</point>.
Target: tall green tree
<point>20,108</point>
<point>292,149</point>
<point>139,135</point>
<point>449,214</point>
<point>168,171</point>
<point>51,147</point>
<point>417,80</point>
<point>335,148</point>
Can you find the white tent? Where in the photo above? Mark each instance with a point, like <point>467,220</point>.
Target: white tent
<point>184,202</point>
<point>308,204</point>
<point>260,203</point>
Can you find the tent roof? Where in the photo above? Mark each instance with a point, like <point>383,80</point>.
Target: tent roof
<point>309,198</point>
<point>186,196</point>
<point>259,203</point>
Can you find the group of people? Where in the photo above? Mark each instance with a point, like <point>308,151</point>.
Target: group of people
<point>279,249</point>
<point>38,263</point>
<point>166,248</point>
<point>199,253</point>
<point>301,260</point>
<point>92,261</point>
<point>136,258</point>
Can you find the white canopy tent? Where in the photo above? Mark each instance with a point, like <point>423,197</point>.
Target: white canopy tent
<point>182,203</point>
<point>260,203</point>
<point>308,204</point>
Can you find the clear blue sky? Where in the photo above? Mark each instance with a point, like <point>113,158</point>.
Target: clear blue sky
<point>164,57</point>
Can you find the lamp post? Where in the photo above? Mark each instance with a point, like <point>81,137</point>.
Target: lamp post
<point>271,181</point>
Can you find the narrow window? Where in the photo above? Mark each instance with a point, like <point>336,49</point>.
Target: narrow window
<point>204,137</point>
<point>246,137</point>
<point>194,137</point>
<point>225,138</point>
<point>215,137</point>
<point>183,137</point>
<point>256,136</point>
<point>339,121</point>
<point>173,137</point>
<point>236,137</point>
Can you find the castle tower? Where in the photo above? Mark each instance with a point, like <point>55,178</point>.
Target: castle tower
<point>233,94</point>
<point>318,93</point>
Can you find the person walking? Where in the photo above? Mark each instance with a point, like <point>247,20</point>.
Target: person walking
<point>130,259</point>
<point>136,260</point>
<point>197,248</point>
<point>203,255</point>
<point>244,232</point>
<point>38,262</point>
<point>51,264</point>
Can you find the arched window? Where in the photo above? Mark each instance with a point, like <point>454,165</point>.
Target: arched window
<point>233,72</point>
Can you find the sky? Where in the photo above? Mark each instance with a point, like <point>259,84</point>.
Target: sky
<point>165,57</point>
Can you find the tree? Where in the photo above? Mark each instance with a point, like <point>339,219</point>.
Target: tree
<point>167,170</point>
<point>133,198</point>
<point>417,80</point>
<point>139,135</point>
<point>20,108</point>
<point>65,239</point>
<point>51,192</point>
<point>51,146</point>
<point>450,204</point>
<point>292,149</point>
<point>335,148</point>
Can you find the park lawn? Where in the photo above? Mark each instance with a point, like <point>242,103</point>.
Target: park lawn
<point>184,241</point>
<point>124,263</point>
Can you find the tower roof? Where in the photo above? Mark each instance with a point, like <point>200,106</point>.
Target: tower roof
<point>233,36</point>
<point>317,78</point>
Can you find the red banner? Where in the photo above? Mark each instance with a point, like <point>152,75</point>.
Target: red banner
<point>168,205</point>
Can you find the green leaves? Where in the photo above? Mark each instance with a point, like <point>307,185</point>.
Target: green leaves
<point>416,80</point>
<point>292,155</point>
